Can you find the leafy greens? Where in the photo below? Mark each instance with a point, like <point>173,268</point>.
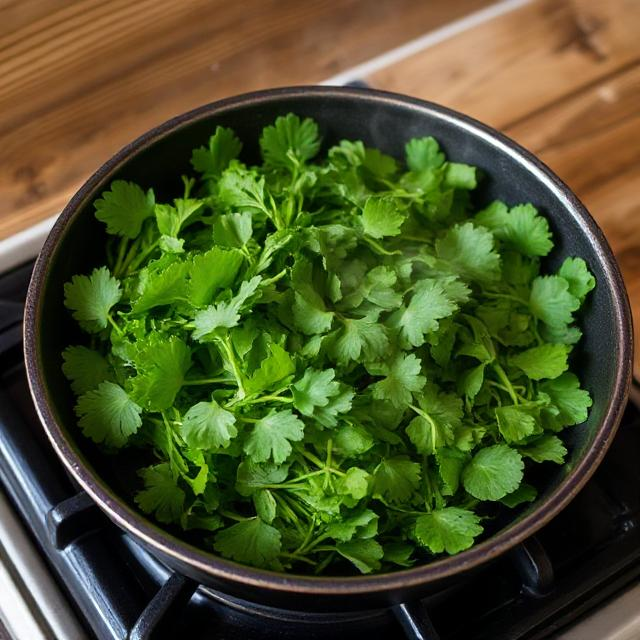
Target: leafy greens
<point>327,362</point>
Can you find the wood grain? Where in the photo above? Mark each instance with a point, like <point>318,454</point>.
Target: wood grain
<point>505,70</point>
<point>79,80</point>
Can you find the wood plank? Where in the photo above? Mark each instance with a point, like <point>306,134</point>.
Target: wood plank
<point>502,71</point>
<point>79,80</point>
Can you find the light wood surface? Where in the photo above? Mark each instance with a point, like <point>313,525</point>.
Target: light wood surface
<point>78,80</point>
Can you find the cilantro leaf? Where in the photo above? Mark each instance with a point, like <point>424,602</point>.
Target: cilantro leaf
<point>314,390</point>
<point>438,415</point>
<point>423,153</point>
<point>274,369</point>
<point>580,279</point>
<point>272,435</point>
<point>551,301</point>
<point>223,147</point>
<point>359,338</point>
<point>524,493</point>
<point>251,541</point>
<point>545,448</point>
<point>124,208</point>
<point>381,217</point>
<point>450,529</point>
<point>395,479</point>
<point>470,252</point>
<point>107,414</point>
<point>161,365</point>
<point>363,524</point>
<point>225,314</point>
<point>161,495</point>
<point>91,298</point>
<point>493,472</point>
<point>289,142</point>
<point>252,476</point>
<point>429,304</point>
<point>515,423</point>
<point>355,483</point>
<point>521,227</point>
<point>207,426</point>
<point>211,271</point>
<point>233,229</point>
<point>365,555</point>
<point>571,401</point>
<point>402,379</point>
<point>460,176</point>
<point>545,361</point>
<point>85,368</point>
<point>157,288</point>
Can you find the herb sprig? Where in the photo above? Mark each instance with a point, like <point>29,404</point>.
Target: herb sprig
<point>335,361</point>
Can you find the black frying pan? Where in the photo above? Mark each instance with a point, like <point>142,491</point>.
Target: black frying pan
<point>382,120</point>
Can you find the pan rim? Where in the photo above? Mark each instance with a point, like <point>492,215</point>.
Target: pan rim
<point>218,568</point>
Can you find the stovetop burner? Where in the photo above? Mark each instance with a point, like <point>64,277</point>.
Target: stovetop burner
<point>590,552</point>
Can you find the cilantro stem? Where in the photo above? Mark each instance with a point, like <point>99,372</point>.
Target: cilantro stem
<point>142,256</point>
<point>320,568</point>
<point>430,420</point>
<point>378,248</point>
<point>309,456</point>
<point>505,381</point>
<point>130,255</point>
<point>232,516</point>
<point>267,399</point>
<point>309,535</point>
<point>506,296</point>
<point>228,349</point>
<point>536,334</point>
<point>193,383</point>
<point>294,556</point>
<point>117,269</point>
<point>112,322</point>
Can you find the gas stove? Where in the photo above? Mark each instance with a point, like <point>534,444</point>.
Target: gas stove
<point>67,572</point>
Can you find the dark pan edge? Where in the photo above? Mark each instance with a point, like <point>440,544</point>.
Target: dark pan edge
<point>212,565</point>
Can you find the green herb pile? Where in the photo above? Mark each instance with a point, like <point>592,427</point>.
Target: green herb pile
<point>327,361</point>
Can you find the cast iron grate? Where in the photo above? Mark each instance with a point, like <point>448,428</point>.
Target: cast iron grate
<point>587,554</point>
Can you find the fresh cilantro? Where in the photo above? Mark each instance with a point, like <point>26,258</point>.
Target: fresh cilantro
<point>493,472</point>
<point>332,362</point>
<point>271,437</point>
<point>91,298</point>
<point>545,361</point>
<point>250,541</point>
<point>451,529</point>
<point>107,414</point>
<point>381,217</point>
<point>161,496</point>
<point>124,208</point>
<point>85,368</point>
<point>208,426</point>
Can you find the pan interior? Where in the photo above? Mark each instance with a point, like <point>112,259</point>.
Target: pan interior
<point>386,124</point>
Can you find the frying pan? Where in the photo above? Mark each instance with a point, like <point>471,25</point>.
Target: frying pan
<point>382,120</point>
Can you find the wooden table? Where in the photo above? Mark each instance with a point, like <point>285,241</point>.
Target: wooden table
<point>78,80</point>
